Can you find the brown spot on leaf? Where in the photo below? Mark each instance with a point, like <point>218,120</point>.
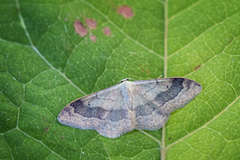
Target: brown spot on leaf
<point>107,31</point>
<point>145,71</point>
<point>80,29</point>
<point>125,11</point>
<point>197,67</point>
<point>169,138</point>
<point>93,38</point>
<point>46,129</point>
<point>91,23</point>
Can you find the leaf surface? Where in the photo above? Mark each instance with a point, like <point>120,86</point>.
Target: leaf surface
<point>45,64</point>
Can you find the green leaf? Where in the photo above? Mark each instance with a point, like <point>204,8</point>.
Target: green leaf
<point>45,64</point>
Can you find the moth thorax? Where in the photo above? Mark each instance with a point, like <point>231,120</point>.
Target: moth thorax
<point>127,95</point>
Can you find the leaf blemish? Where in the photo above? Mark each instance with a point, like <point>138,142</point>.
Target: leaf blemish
<point>107,31</point>
<point>93,38</point>
<point>197,67</point>
<point>125,11</point>
<point>91,23</point>
<point>80,29</point>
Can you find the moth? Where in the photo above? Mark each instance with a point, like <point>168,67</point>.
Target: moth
<point>143,104</point>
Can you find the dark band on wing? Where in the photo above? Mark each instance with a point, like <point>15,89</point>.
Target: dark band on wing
<point>145,109</point>
<point>171,93</point>
<point>99,112</point>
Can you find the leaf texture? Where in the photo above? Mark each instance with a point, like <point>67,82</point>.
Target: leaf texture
<point>45,64</point>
